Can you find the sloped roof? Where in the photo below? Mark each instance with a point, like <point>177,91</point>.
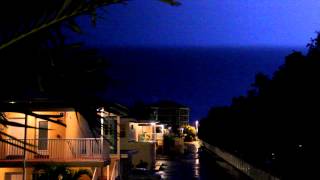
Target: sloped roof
<point>49,104</point>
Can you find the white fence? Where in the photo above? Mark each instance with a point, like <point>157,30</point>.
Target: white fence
<point>240,164</point>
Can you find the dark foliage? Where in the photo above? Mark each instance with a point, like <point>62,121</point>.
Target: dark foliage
<point>36,63</point>
<point>274,126</point>
<point>140,111</point>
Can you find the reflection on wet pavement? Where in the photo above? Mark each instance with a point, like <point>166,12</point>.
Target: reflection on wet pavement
<point>196,165</point>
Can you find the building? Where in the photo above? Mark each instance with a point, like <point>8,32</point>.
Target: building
<point>58,135</point>
<point>170,113</point>
<point>143,138</point>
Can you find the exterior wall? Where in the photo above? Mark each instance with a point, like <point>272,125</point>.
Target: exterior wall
<point>133,133</point>
<point>127,133</point>
<point>3,171</point>
<point>149,130</point>
<point>145,152</point>
<point>18,132</point>
<point>124,131</point>
<point>76,127</point>
<point>56,130</point>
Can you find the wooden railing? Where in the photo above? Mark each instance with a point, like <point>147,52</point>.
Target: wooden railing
<point>81,149</point>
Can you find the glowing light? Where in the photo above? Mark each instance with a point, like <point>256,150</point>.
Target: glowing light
<point>197,161</point>
<point>197,125</point>
<point>102,129</point>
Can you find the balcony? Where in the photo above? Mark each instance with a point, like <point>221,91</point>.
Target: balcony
<point>147,137</point>
<point>79,152</point>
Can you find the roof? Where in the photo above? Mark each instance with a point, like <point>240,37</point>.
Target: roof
<point>47,104</point>
<point>35,104</point>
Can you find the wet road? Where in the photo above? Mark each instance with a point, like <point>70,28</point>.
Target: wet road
<point>197,165</point>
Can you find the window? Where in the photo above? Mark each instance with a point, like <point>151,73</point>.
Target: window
<point>158,129</point>
<point>110,131</point>
<point>122,130</point>
<point>43,135</point>
<point>13,176</point>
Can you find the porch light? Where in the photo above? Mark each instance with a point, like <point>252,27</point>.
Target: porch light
<point>101,112</point>
<point>100,109</point>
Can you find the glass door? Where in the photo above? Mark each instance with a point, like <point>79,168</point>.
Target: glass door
<point>43,136</point>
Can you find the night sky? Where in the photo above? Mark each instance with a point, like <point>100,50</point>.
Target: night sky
<point>266,31</point>
<point>208,23</point>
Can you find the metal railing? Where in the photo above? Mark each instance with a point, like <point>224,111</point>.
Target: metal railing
<point>251,171</point>
<point>91,149</point>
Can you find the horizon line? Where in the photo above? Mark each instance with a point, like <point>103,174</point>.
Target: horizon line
<point>199,46</point>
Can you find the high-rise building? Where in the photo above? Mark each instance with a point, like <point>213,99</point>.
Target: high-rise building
<point>170,113</point>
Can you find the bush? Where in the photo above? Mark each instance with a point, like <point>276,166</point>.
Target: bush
<point>190,133</point>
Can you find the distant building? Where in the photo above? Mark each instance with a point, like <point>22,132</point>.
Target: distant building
<point>170,113</point>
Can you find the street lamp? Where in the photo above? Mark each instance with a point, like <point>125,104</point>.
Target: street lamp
<point>197,125</point>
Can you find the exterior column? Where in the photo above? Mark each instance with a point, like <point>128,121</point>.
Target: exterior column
<point>25,146</point>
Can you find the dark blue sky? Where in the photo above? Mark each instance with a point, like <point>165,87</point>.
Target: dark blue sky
<point>196,77</point>
<point>208,23</point>
<point>199,78</point>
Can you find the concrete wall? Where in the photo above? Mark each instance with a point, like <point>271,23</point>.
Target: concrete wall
<point>125,126</point>
<point>145,152</point>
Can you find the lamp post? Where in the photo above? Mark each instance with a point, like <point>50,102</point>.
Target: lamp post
<point>197,125</point>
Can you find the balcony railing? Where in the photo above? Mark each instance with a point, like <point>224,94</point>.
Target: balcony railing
<point>81,149</point>
<point>147,137</point>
